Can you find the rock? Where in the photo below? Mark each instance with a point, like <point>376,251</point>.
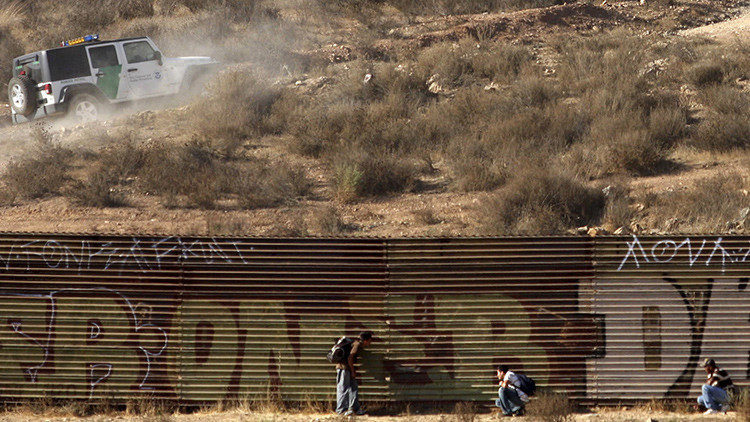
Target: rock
<point>491,87</point>
<point>596,231</point>
<point>620,230</point>
<point>582,230</point>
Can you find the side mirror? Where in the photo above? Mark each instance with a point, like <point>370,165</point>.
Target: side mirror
<point>157,56</point>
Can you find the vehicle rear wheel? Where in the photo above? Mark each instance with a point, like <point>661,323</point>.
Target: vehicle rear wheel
<point>22,95</point>
<point>85,108</point>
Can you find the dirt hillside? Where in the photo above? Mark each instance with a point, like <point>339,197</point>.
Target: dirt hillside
<point>432,209</point>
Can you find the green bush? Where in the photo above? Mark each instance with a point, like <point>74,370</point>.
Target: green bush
<point>360,173</point>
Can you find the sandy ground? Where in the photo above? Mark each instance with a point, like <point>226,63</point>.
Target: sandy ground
<point>596,415</point>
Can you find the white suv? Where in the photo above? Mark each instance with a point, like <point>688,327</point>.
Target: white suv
<point>85,76</point>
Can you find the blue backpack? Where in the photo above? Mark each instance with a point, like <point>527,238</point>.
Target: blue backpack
<point>527,385</point>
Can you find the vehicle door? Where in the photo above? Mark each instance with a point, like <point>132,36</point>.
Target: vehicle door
<point>106,67</point>
<point>144,70</point>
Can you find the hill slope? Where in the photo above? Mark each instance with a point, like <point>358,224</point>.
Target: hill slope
<point>375,120</point>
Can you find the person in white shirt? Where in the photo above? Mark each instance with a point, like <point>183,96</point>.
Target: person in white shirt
<point>511,399</point>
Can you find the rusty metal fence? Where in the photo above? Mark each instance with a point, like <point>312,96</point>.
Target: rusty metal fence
<point>205,319</point>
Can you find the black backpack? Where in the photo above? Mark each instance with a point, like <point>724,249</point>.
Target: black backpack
<point>340,351</point>
<point>527,385</point>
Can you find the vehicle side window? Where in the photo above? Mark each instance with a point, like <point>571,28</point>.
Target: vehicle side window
<point>68,62</point>
<point>104,56</point>
<point>139,51</point>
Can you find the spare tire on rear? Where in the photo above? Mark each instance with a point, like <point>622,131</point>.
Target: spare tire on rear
<point>22,95</point>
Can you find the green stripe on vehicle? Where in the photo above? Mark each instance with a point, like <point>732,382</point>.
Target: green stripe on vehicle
<point>109,83</point>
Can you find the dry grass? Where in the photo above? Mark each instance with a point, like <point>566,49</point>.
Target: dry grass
<point>742,405</point>
<point>551,407</point>
<point>712,205</point>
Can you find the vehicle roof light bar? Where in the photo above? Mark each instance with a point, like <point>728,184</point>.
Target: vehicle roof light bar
<point>80,40</point>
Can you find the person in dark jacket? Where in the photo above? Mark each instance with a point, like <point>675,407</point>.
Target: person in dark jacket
<point>347,389</point>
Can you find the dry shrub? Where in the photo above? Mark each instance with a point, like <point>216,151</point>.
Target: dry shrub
<point>98,190</point>
<point>41,172</point>
<point>235,109</point>
<point>327,220</point>
<point>263,184</point>
<point>446,7</point>
<point>225,225</point>
<point>503,62</point>
<point>724,99</point>
<point>449,62</point>
<point>320,126</point>
<point>551,407</point>
<point>466,62</point>
<point>191,170</point>
<point>712,205</point>
<point>619,144</point>
<point>723,132</point>
<point>476,166</point>
<point>704,74</point>
<point>742,405</point>
<point>10,47</point>
<point>425,215</point>
<point>617,212</point>
<point>610,62</point>
<point>465,411</point>
<point>123,158</point>
<point>131,9</point>
<point>727,127</point>
<point>538,202</point>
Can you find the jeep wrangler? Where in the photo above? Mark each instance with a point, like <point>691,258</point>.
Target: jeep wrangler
<point>85,77</point>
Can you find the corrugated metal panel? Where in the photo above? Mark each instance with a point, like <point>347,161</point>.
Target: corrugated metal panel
<point>457,308</point>
<point>203,319</point>
<point>262,324</point>
<point>668,303</point>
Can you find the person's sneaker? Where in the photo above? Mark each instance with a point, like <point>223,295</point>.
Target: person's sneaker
<point>710,412</point>
<point>348,413</point>
<point>360,412</point>
<point>725,407</point>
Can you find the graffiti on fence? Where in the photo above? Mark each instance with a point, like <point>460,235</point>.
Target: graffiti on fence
<point>703,252</point>
<point>87,334</point>
<point>141,254</point>
<point>678,327</point>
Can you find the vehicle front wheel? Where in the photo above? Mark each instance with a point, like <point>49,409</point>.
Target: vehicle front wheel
<point>22,95</point>
<point>85,108</point>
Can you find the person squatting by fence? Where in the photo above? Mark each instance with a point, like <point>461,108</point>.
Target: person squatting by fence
<point>512,400</point>
<point>347,389</point>
<point>714,395</point>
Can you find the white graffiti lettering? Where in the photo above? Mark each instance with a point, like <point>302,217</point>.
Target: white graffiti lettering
<point>665,251</point>
<point>141,255</point>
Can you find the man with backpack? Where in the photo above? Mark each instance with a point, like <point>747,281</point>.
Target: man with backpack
<point>512,398</point>
<point>347,389</point>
